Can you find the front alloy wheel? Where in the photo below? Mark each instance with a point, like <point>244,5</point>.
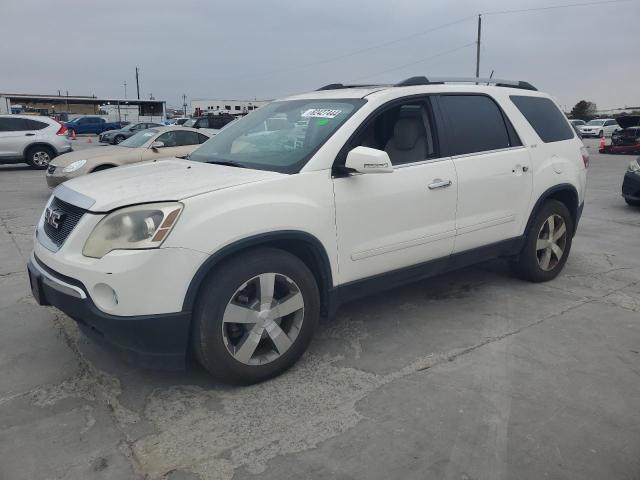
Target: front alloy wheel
<point>263,319</point>
<point>255,315</point>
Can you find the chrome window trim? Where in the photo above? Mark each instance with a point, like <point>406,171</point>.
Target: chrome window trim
<point>421,162</point>
<point>484,152</point>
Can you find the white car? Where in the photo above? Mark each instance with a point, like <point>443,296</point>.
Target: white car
<point>602,127</point>
<point>236,252</point>
<point>35,140</point>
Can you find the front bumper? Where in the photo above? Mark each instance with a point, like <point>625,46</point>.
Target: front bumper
<point>54,180</point>
<point>594,133</point>
<point>155,341</point>
<point>631,186</point>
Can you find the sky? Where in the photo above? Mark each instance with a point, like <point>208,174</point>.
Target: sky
<point>264,49</point>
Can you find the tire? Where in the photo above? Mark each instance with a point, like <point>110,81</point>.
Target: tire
<point>633,203</point>
<point>118,139</point>
<point>38,157</point>
<point>218,343</point>
<point>530,263</point>
<point>70,132</point>
<point>601,134</point>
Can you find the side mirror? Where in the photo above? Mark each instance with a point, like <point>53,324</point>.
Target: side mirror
<point>368,160</point>
<point>156,145</point>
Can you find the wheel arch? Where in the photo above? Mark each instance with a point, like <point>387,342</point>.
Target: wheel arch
<point>565,193</point>
<point>103,166</point>
<point>301,244</point>
<point>39,144</point>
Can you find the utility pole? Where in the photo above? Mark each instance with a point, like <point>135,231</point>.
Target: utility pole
<point>184,103</point>
<point>125,89</point>
<point>137,83</point>
<point>478,46</point>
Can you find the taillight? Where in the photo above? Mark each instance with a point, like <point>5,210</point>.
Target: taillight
<point>62,130</point>
<point>585,156</point>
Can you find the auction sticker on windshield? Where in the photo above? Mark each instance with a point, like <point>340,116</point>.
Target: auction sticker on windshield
<point>321,113</point>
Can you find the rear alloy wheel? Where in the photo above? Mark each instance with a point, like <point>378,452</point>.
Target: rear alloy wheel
<point>255,316</point>
<point>39,157</point>
<point>551,243</point>
<point>547,244</point>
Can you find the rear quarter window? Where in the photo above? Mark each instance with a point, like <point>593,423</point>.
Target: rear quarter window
<point>545,118</point>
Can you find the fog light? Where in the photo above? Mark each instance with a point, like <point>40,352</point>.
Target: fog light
<point>105,297</point>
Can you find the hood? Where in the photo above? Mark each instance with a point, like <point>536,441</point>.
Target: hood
<point>101,151</point>
<point>160,180</point>
<point>629,121</point>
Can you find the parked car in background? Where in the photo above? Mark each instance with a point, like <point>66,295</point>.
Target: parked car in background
<point>577,122</point>
<point>180,121</point>
<point>213,123</point>
<point>152,144</point>
<point>626,140</point>
<point>236,252</point>
<point>631,184</point>
<point>114,137</point>
<point>32,139</point>
<point>602,127</point>
<point>90,124</point>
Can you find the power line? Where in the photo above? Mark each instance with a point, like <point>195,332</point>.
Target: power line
<point>423,60</point>
<point>369,48</point>
<point>553,7</point>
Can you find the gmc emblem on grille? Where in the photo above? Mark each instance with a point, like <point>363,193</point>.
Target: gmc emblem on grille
<point>53,217</point>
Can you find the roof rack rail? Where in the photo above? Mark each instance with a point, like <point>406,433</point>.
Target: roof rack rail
<point>489,81</point>
<point>337,86</point>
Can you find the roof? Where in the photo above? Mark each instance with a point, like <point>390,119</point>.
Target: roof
<point>421,85</point>
<point>78,99</point>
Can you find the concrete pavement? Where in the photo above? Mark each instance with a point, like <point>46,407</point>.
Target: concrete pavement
<point>472,375</point>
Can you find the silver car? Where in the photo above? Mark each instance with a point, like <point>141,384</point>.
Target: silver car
<point>32,139</point>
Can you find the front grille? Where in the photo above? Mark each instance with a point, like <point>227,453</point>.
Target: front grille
<point>51,169</point>
<point>70,216</point>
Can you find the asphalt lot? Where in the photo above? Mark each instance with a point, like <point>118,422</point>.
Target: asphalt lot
<point>472,375</point>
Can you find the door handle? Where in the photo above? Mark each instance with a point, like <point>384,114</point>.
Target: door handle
<point>438,183</point>
<point>29,134</point>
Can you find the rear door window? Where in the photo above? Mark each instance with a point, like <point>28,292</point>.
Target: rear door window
<point>545,118</point>
<point>29,124</point>
<point>20,124</point>
<point>475,124</point>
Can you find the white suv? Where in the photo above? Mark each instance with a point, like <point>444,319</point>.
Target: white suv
<point>235,252</point>
<point>601,127</point>
<point>35,140</point>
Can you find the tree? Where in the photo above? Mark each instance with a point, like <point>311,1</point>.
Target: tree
<point>583,110</point>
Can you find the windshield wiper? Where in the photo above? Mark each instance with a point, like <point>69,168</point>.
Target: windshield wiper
<point>229,163</point>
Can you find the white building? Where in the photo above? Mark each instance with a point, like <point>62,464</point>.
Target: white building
<point>234,107</point>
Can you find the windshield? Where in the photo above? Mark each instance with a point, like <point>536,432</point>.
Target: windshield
<point>281,136</point>
<point>139,139</point>
<point>189,123</point>
<point>596,122</point>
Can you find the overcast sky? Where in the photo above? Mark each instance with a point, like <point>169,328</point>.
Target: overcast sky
<point>241,49</point>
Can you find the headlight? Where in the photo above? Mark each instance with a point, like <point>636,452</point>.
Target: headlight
<point>634,167</point>
<point>132,228</point>
<point>72,167</point>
